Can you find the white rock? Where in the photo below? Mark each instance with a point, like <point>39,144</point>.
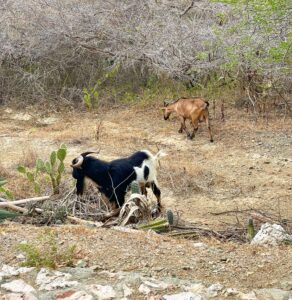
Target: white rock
<point>249,296</point>
<point>107,273</point>
<point>213,289</point>
<point>17,286</point>
<point>231,292</point>
<point>80,295</point>
<point>195,288</point>
<point>102,291</point>
<point>183,296</point>
<point>48,280</point>
<point>127,291</point>
<point>200,245</point>
<point>20,256</point>
<point>8,271</point>
<point>12,296</point>
<point>156,284</point>
<point>270,235</point>
<point>272,294</point>
<point>144,289</point>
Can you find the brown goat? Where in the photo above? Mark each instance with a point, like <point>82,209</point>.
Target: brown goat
<point>194,109</point>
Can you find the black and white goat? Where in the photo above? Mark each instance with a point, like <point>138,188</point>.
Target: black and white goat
<point>113,178</point>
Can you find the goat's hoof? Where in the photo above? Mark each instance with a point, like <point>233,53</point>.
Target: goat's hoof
<point>180,131</point>
<point>190,137</point>
<point>211,140</point>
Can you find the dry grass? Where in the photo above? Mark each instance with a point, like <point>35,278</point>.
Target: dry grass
<point>29,157</point>
<point>5,172</point>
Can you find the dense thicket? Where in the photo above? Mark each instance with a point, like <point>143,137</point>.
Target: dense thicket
<point>95,49</point>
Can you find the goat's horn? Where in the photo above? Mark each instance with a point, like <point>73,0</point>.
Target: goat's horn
<point>78,161</point>
<point>89,152</point>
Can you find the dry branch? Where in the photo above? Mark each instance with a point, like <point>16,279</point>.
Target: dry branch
<point>25,201</point>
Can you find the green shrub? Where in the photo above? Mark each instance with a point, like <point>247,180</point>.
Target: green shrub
<point>4,190</point>
<point>46,252</point>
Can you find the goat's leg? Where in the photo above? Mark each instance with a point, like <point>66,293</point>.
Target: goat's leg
<point>195,122</point>
<point>209,127</point>
<point>143,189</point>
<point>182,125</point>
<point>157,193</point>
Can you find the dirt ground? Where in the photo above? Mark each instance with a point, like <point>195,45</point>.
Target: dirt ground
<point>247,169</point>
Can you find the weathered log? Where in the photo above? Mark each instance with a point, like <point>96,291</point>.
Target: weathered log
<point>25,201</point>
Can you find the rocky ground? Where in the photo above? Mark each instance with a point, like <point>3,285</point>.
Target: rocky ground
<point>245,173</point>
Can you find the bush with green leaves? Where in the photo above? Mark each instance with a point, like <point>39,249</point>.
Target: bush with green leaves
<point>46,252</point>
<point>53,168</point>
<point>4,190</point>
<point>91,94</point>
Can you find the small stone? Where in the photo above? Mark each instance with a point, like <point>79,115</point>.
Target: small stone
<point>48,280</point>
<point>8,271</point>
<point>20,256</point>
<point>187,268</point>
<point>12,296</point>
<point>17,286</point>
<point>200,245</point>
<point>65,294</point>
<point>29,296</point>
<point>249,296</point>
<point>212,290</point>
<point>272,294</point>
<point>80,295</point>
<point>81,263</point>
<point>231,292</point>
<point>127,291</point>
<point>144,289</point>
<point>287,285</point>
<point>102,291</point>
<point>183,296</point>
<point>195,288</point>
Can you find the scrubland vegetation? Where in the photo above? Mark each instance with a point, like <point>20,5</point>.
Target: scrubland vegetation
<point>99,53</point>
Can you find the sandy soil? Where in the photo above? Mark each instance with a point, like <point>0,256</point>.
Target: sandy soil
<point>247,168</point>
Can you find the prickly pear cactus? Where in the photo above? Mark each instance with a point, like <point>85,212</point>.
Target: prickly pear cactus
<point>169,217</point>
<point>250,230</point>
<point>135,188</point>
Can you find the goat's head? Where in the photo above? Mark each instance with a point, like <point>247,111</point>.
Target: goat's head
<point>78,172</point>
<point>78,161</point>
<point>165,109</point>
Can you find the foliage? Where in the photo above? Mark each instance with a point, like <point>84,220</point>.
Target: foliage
<point>93,59</point>
<point>53,168</point>
<point>91,95</point>
<point>4,190</point>
<point>46,252</point>
<point>5,214</point>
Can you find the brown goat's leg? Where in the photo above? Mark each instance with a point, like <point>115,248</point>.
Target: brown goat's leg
<point>195,122</point>
<point>182,124</point>
<point>209,127</point>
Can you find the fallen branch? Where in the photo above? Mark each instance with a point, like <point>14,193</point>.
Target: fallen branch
<point>24,201</point>
<point>84,222</point>
<point>13,207</point>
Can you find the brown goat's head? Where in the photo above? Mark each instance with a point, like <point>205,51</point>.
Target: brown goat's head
<point>166,111</point>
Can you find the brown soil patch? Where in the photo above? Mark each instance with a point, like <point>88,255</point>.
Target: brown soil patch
<point>249,166</point>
